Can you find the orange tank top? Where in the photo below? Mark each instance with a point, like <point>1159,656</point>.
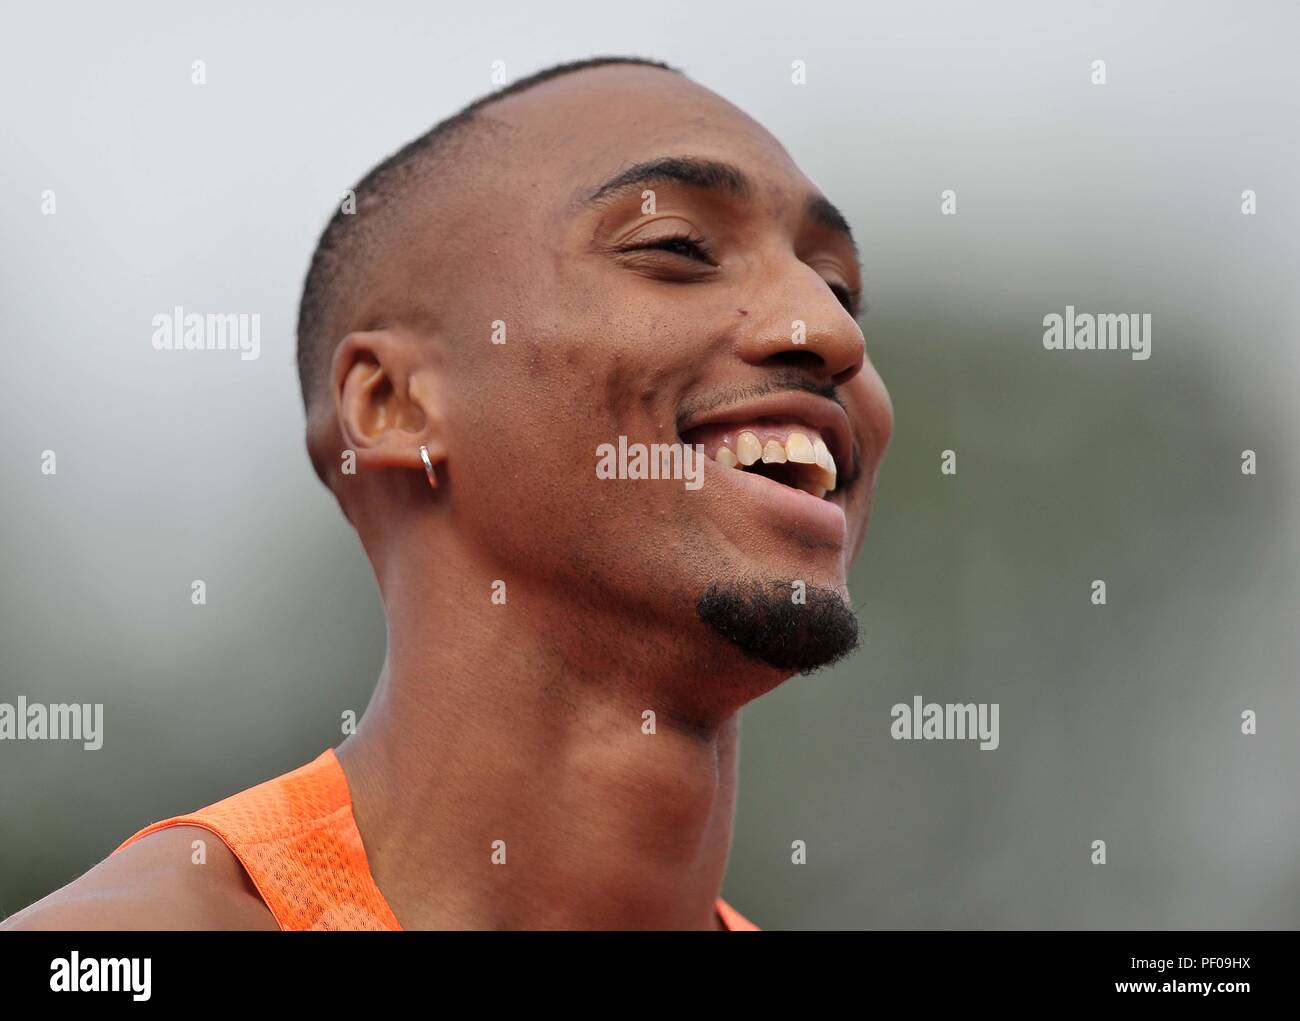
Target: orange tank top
<point>296,837</point>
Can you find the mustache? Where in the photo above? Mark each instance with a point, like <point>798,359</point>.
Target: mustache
<point>778,382</point>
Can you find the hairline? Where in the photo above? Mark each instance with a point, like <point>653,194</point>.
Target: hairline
<point>344,253</point>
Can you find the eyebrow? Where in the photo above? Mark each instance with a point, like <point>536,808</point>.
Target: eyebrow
<point>688,170</point>
<point>823,212</point>
<point>715,176</point>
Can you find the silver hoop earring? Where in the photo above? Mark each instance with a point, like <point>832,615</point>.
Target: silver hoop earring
<point>428,466</point>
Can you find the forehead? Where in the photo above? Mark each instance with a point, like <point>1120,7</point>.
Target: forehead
<point>572,133</point>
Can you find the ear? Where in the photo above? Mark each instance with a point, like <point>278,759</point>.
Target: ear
<point>386,400</point>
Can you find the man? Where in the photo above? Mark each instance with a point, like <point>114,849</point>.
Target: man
<point>601,260</point>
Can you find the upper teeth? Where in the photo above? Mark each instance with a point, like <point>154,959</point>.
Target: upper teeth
<point>797,448</point>
<point>774,453</point>
<point>748,449</point>
<point>800,448</point>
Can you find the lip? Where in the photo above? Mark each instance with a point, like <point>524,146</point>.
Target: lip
<point>825,518</point>
<point>817,412</point>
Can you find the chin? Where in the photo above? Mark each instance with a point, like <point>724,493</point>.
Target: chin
<point>793,625</point>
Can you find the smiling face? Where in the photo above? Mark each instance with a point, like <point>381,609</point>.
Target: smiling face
<point>666,274</point>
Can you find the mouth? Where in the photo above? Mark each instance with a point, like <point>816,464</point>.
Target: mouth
<point>797,440</point>
<point>786,460</point>
<point>791,453</point>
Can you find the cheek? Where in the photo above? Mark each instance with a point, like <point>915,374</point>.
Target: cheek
<point>872,412</point>
<point>868,394</point>
<point>524,434</point>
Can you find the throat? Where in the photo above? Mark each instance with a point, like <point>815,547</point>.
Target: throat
<point>597,826</point>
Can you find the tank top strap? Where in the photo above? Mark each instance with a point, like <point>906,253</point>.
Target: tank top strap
<point>296,837</point>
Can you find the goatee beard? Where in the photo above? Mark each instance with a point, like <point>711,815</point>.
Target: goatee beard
<point>782,624</point>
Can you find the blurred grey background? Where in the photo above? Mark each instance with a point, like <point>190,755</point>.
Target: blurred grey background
<point>1119,723</point>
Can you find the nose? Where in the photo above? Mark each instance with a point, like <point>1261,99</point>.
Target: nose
<point>803,325</point>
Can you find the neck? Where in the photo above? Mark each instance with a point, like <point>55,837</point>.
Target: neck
<point>499,784</point>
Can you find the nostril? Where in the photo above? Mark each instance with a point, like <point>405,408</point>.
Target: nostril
<point>841,378</point>
<point>798,360</point>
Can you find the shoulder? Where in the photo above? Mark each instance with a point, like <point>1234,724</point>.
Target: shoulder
<point>155,884</point>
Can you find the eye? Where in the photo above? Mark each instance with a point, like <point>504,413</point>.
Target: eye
<point>847,298</point>
<point>685,245</point>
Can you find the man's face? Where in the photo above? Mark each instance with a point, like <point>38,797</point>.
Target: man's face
<point>668,320</point>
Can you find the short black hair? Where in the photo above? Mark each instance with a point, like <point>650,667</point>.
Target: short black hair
<point>344,247</point>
